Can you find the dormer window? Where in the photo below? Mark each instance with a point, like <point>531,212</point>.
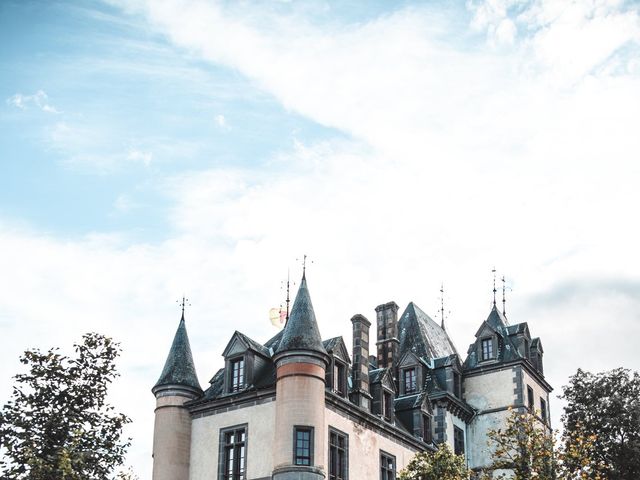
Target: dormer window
<point>339,378</point>
<point>237,374</point>
<point>387,405</point>
<point>487,348</point>
<point>410,383</point>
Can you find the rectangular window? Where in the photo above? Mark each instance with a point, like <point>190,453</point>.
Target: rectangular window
<point>338,455</point>
<point>387,466</point>
<point>237,374</point>
<point>458,441</point>
<point>487,349</point>
<point>339,378</point>
<point>426,429</point>
<point>456,385</point>
<point>387,405</point>
<point>233,448</point>
<point>303,446</point>
<point>530,401</point>
<point>410,380</point>
<point>543,410</point>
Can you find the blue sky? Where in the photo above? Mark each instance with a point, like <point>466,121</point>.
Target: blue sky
<point>150,148</point>
<point>128,109</point>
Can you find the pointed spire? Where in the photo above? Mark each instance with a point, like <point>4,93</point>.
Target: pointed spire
<point>301,331</point>
<point>179,368</point>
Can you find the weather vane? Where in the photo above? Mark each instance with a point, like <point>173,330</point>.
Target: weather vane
<point>494,286</point>
<point>442,305</point>
<point>183,303</point>
<point>304,264</point>
<point>504,296</point>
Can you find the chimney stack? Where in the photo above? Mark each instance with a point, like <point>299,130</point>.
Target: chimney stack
<point>361,395</point>
<point>387,322</point>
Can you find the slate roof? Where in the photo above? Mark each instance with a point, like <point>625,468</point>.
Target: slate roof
<point>217,384</point>
<point>261,349</point>
<point>409,402</point>
<point>301,331</point>
<point>179,368</point>
<point>375,375</point>
<point>497,320</point>
<point>331,343</point>
<point>273,342</point>
<point>420,334</point>
<point>507,349</point>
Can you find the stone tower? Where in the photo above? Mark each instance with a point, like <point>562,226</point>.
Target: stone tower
<point>177,385</point>
<point>301,362</point>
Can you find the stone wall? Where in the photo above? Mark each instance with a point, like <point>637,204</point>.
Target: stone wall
<point>205,435</point>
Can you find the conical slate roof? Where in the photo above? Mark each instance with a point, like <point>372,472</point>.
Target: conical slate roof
<point>179,368</point>
<point>301,331</point>
<point>419,334</point>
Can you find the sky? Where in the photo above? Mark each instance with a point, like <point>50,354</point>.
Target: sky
<point>155,148</point>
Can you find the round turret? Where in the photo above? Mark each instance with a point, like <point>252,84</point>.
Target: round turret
<point>178,384</point>
<point>301,361</point>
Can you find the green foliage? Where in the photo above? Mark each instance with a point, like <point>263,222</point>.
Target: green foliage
<point>442,464</point>
<point>524,446</point>
<point>607,407</point>
<point>527,448</point>
<point>57,424</point>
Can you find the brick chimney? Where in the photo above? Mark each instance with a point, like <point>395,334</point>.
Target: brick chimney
<point>361,395</point>
<point>387,324</point>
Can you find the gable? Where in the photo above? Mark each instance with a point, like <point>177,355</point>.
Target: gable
<point>409,359</point>
<point>235,346</point>
<point>485,330</point>
<point>338,349</point>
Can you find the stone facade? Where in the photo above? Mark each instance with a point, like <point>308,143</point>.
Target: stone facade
<point>300,408</point>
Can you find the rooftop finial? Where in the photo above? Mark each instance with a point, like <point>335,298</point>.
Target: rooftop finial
<point>183,303</point>
<point>504,297</point>
<point>288,300</point>
<point>304,265</point>
<point>494,286</point>
<point>442,305</point>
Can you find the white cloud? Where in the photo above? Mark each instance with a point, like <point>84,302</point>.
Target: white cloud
<point>139,156</point>
<point>221,122</point>
<point>39,99</point>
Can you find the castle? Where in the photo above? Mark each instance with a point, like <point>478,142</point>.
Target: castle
<point>302,408</point>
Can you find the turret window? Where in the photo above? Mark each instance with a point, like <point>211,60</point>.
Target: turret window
<point>303,445</point>
<point>487,348</point>
<point>410,384</point>
<point>237,374</point>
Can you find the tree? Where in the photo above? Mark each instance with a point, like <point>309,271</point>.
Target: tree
<point>607,406</point>
<point>442,464</point>
<point>57,424</point>
<point>527,448</point>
